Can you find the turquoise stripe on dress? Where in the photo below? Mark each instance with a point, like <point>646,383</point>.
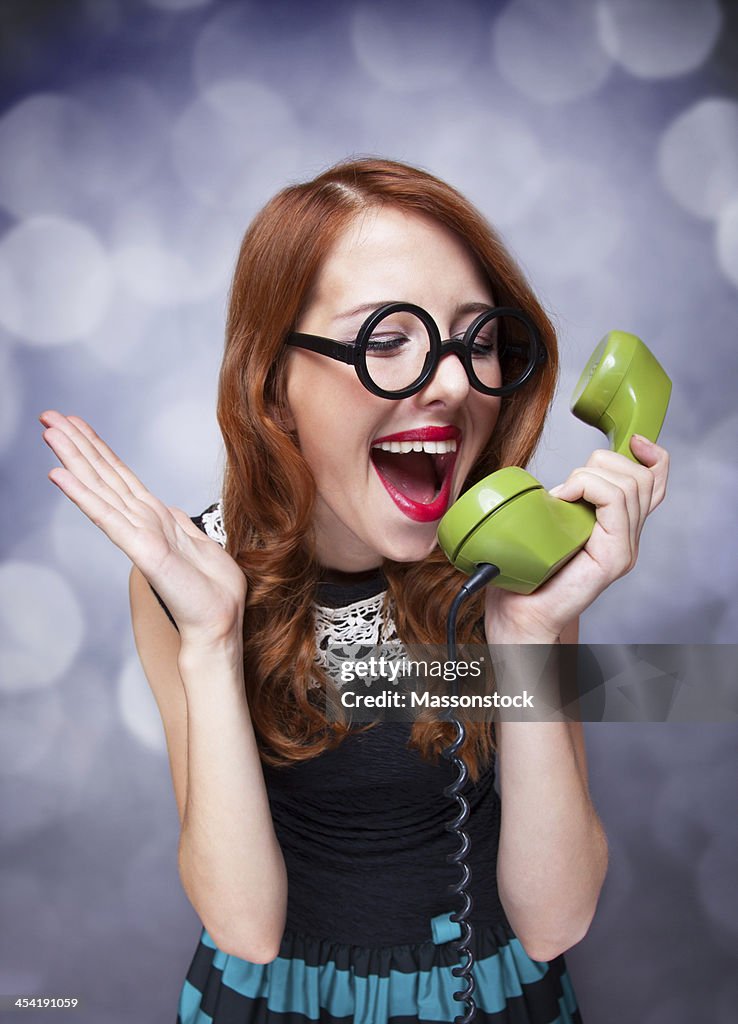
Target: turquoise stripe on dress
<point>291,986</point>
<point>189,1004</point>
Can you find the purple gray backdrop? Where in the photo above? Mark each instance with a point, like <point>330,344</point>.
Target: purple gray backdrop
<point>137,139</point>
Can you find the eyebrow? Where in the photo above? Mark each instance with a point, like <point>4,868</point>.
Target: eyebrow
<point>369,307</point>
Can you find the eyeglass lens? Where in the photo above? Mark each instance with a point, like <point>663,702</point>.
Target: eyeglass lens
<point>399,348</point>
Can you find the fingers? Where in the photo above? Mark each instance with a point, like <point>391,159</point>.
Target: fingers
<point>651,471</point>
<point>634,516</point>
<point>636,482</point>
<point>613,515</point>
<point>97,481</point>
<point>656,459</point>
<point>85,454</point>
<point>106,452</point>
<point>109,519</point>
<point>649,480</point>
<point>77,465</point>
<point>81,450</point>
<point>624,493</point>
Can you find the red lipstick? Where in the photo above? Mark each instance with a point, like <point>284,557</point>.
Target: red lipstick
<point>398,481</point>
<point>423,434</point>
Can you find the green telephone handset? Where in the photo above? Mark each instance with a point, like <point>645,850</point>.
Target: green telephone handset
<point>510,520</point>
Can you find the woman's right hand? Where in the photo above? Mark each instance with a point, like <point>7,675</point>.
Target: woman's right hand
<point>202,586</point>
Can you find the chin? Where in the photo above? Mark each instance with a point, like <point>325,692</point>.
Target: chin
<point>413,548</point>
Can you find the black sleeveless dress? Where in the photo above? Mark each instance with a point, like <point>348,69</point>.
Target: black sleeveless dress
<point>369,936</point>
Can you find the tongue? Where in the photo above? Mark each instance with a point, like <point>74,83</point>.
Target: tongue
<point>413,473</point>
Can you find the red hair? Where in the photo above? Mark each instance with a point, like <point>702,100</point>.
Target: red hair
<point>268,488</point>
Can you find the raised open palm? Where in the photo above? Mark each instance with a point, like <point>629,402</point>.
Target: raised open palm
<point>200,583</point>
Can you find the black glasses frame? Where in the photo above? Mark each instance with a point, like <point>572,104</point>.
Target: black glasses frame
<point>355,354</point>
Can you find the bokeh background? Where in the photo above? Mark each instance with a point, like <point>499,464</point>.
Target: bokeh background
<point>137,139</point>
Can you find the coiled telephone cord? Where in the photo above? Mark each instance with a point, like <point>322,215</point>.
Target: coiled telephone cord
<point>479,579</point>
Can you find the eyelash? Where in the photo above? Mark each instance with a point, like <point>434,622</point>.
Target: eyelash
<point>487,347</point>
<point>386,344</point>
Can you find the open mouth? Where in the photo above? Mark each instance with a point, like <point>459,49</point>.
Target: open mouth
<point>416,468</point>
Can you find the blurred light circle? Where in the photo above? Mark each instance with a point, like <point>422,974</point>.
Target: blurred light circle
<point>138,708</point>
<point>64,153</point>
<point>712,494</point>
<point>78,769</point>
<point>155,275</point>
<point>659,38</point>
<point>493,160</point>
<point>148,341</point>
<point>121,342</point>
<point>183,436</point>
<point>262,40</point>
<point>698,157</point>
<point>41,626</point>
<point>364,119</point>
<point>133,124</point>
<point>55,281</point>
<point>225,46</point>
<point>573,225</point>
<point>39,138</point>
<point>179,252</point>
<point>11,397</point>
<point>727,241</point>
<point>412,47</point>
<point>235,135</point>
<point>550,52</point>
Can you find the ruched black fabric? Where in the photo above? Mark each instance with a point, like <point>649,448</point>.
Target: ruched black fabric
<point>363,826</point>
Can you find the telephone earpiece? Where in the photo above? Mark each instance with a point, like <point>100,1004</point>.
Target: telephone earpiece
<point>510,520</point>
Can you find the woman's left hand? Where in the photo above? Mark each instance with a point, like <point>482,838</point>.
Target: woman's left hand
<point>624,493</point>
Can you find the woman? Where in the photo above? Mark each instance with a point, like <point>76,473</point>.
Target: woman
<point>314,853</point>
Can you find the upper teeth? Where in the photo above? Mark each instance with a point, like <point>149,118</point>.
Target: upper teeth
<point>431,447</point>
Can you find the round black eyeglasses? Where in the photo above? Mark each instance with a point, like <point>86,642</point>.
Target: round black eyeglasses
<point>398,349</point>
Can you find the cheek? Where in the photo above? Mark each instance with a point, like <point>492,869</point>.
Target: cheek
<point>308,395</point>
<point>485,413</point>
<point>330,414</point>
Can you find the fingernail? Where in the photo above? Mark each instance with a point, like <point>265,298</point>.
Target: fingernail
<point>557,490</point>
<point>644,440</point>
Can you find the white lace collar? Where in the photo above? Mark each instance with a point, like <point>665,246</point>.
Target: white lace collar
<point>338,631</point>
<point>212,521</point>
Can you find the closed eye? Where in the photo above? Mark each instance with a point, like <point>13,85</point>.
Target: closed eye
<point>484,346</point>
<point>390,345</point>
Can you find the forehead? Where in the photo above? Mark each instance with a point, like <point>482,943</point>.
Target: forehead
<point>385,253</point>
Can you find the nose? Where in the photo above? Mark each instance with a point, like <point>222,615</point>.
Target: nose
<point>449,385</point>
